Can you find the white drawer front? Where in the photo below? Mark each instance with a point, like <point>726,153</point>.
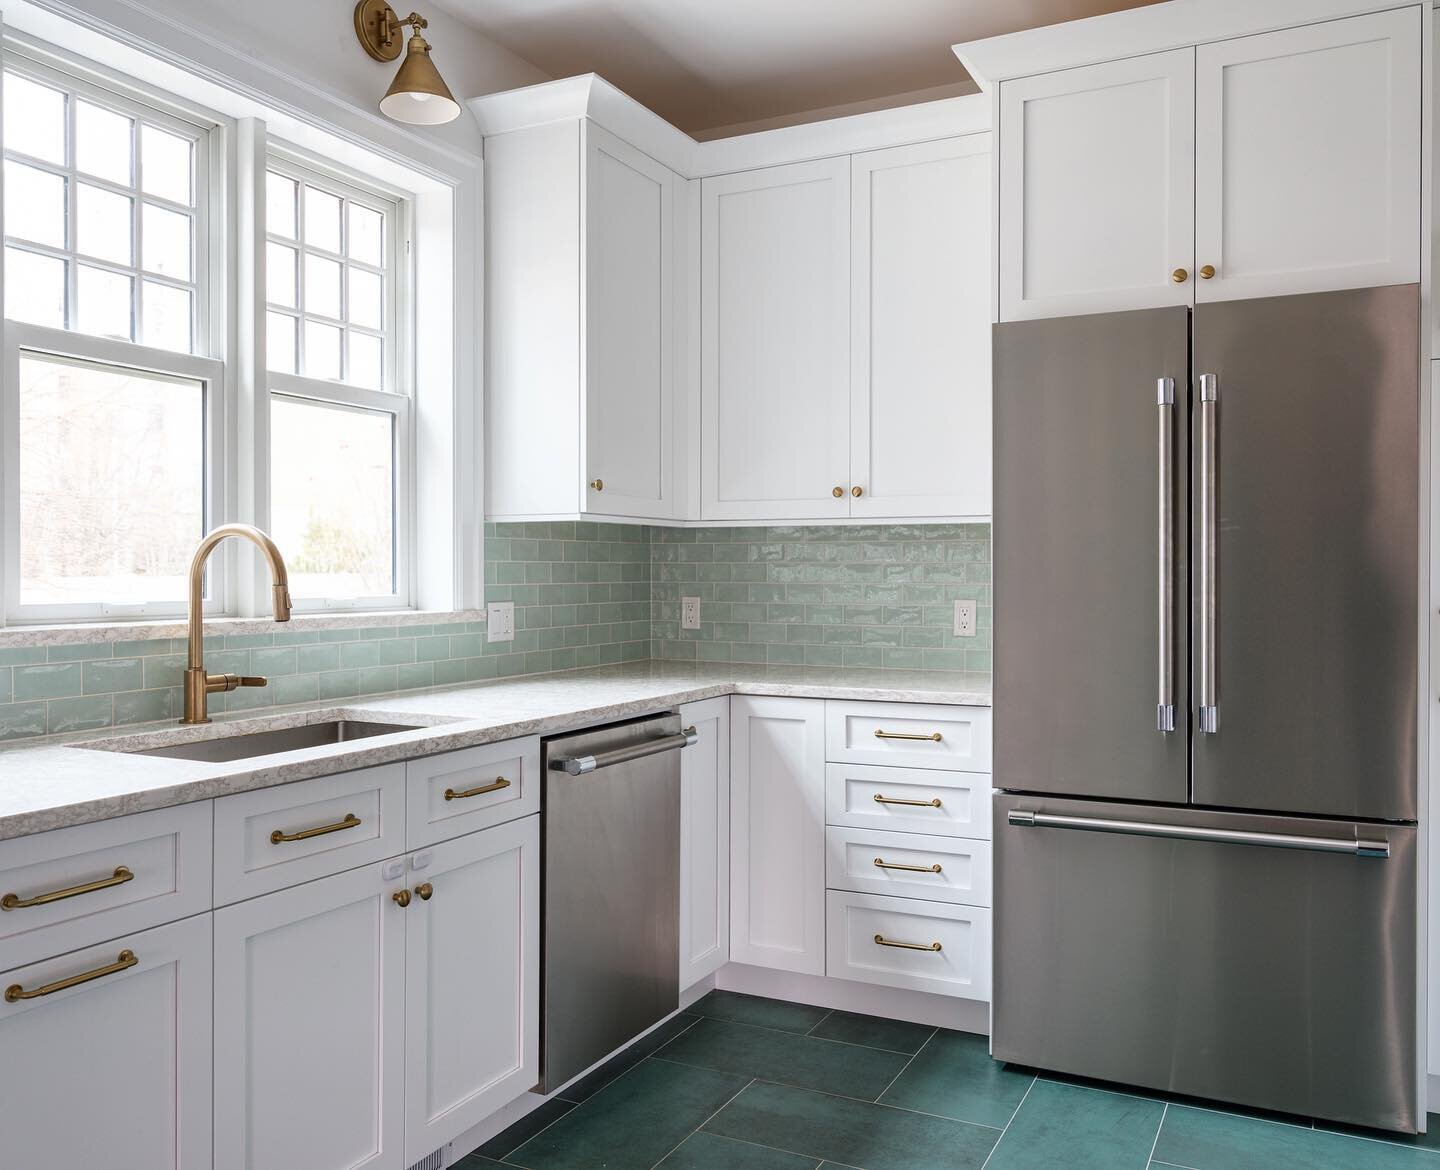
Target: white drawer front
<point>459,792</point>
<point>905,735</point>
<point>908,865</point>
<point>907,800</point>
<point>154,866</point>
<point>960,967</point>
<point>268,839</point>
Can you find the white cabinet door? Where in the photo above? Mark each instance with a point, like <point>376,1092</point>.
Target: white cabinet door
<point>775,381</point>
<point>705,842</point>
<point>628,297</point>
<point>472,981</point>
<point>1097,187</point>
<point>309,1012</point>
<point>920,329</point>
<point>777,833</point>
<point>113,1071</point>
<point>1308,158</point>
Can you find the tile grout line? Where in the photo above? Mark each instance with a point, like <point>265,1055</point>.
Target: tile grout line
<point>1150,1157</point>
<point>1033,1082</point>
<point>907,1064</point>
<point>828,1013</point>
<point>704,1123</point>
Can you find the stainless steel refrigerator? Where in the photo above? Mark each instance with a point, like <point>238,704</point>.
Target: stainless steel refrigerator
<point>1206,634</point>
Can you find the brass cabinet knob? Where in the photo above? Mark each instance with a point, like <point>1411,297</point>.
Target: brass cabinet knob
<point>425,889</point>
<point>1179,276</point>
<point>857,492</point>
<point>401,898</point>
<point>1207,271</point>
<point>837,492</point>
<point>597,485</point>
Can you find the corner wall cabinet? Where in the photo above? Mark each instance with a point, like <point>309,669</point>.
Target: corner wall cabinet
<point>1240,168</point>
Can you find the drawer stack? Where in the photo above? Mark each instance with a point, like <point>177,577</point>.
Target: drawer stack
<point>907,846</point>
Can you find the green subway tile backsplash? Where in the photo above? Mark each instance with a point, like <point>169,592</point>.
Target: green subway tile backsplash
<point>585,594</point>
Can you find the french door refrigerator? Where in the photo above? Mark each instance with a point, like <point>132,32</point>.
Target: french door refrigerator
<point>1206,633</point>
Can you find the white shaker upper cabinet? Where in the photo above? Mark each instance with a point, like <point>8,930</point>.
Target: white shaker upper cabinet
<point>1096,187</point>
<point>775,380</point>
<point>1308,158</point>
<point>628,297</point>
<point>920,330</point>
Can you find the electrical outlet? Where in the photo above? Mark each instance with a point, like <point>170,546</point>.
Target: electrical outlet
<point>965,619</point>
<point>689,613</point>
<point>500,621</point>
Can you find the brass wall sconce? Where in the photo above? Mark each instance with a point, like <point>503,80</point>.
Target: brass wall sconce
<point>418,95</point>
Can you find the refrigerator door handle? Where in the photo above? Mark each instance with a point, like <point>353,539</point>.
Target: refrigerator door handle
<point>1209,699</point>
<point>1165,691</point>
<point>1356,847</point>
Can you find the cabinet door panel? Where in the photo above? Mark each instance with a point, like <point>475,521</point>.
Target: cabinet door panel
<point>1097,173</point>
<point>776,349</point>
<point>777,833</point>
<point>705,842</point>
<point>114,1072</point>
<point>1308,158</point>
<point>628,297</point>
<point>920,329</point>
<point>472,983</point>
<point>308,997</point>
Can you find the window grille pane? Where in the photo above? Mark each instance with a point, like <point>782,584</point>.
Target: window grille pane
<point>322,286</point>
<point>168,315</point>
<point>365,361</point>
<point>280,205</point>
<point>166,236</point>
<point>103,224</point>
<point>280,275</point>
<point>34,119</point>
<point>322,350</point>
<point>280,342</point>
<point>167,164</point>
<point>367,236</point>
<point>322,219</point>
<point>34,205</point>
<point>34,288</point>
<point>104,144</point>
<point>104,303</point>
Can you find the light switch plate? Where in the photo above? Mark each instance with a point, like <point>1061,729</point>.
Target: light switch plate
<point>689,613</point>
<point>965,619</point>
<point>500,621</point>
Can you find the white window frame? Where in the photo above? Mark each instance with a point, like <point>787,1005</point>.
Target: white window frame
<point>398,398</point>
<point>124,96</point>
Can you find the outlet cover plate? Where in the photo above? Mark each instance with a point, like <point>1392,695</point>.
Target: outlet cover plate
<point>689,613</point>
<point>500,621</point>
<point>965,619</point>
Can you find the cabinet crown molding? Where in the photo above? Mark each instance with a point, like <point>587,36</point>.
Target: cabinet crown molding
<point>591,96</point>
<point>1176,25</point>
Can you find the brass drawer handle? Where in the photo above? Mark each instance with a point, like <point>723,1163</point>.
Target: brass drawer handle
<point>890,942</point>
<point>933,737</point>
<point>880,863</point>
<point>913,803</point>
<point>279,836</point>
<point>118,878</point>
<point>123,962</point>
<point>465,794</point>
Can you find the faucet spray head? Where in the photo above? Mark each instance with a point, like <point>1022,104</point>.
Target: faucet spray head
<point>280,601</point>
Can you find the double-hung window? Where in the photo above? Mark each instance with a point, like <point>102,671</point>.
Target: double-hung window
<point>340,403</point>
<point>112,383</point>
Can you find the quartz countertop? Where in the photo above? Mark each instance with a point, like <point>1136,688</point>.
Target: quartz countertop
<point>57,781</point>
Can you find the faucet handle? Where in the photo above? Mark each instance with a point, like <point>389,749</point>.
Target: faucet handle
<point>229,682</point>
<point>252,680</point>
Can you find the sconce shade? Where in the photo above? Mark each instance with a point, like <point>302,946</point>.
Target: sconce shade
<point>418,94</point>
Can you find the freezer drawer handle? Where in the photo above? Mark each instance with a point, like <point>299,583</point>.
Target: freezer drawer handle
<point>879,799</point>
<point>1354,848</point>
<point>581,765</point>
<point>882,941</point>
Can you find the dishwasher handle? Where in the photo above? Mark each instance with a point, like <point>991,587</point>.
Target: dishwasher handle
<point>581,765</point>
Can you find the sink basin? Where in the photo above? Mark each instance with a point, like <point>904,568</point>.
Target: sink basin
<point>281,739</point>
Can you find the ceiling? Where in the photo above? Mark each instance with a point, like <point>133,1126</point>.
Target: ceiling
<point>705,65</point>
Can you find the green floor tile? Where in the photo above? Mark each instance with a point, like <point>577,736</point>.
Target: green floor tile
<point>523,1130</point>
<point>1078,1128</point>
<point>954,1076</point>
<point>1206,1140</point>
<point>844,1069</point>
<point>1429,1140</point>
<point>632,1122</point>
<point>705,1151</point>
<point>853,1133</point>
<point>752,1009</point>
<point>873,1032</point>
<point>590,1084</point>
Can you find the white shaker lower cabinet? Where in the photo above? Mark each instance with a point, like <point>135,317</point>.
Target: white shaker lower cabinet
<point>309,1019</point>
<point>777,833</point>
<point>114,1069</point>
<point>705,842</point>
<point>472,981</point>
<point>905,942</point>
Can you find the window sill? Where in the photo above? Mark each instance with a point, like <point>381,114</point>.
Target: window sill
<point>101,631</point>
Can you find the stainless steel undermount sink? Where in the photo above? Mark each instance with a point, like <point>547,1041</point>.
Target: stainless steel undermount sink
<point>276,740</point>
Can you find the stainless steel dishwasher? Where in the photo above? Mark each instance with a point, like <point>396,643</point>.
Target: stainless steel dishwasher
<point>611,950</point>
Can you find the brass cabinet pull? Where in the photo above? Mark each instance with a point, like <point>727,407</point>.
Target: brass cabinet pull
<point>1179,276</point>
<point>425,889</point>
<point>857,492</point>
<point>597,485</point>
<point>880,863</point>
<point>837,492</point>
<point>401,898</point>
<point>123,962</point>
<point>279,836</point>
<point>464,794</point>
<point>933,737</point>
<point>900,800</point>
<point>118,878</point>
<point>890,942</point>
<point>1207,271</point>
